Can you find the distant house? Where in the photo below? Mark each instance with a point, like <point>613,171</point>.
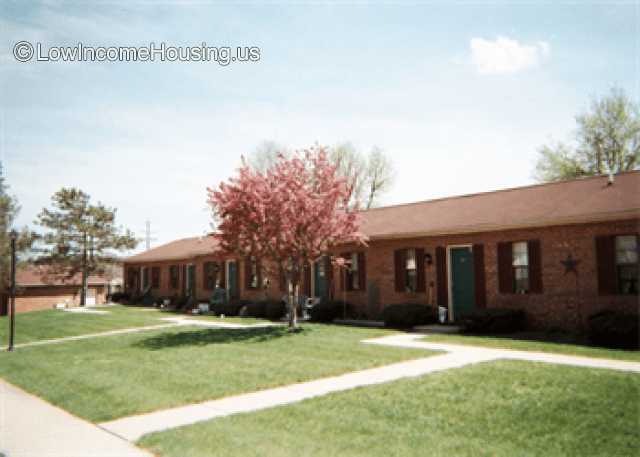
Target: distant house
<point>37,288</point>
<point>560,251</point>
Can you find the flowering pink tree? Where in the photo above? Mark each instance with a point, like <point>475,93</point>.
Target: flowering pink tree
<point>291,214</point>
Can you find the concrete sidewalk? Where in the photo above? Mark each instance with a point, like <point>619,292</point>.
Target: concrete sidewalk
<point>417,342</point>
<point>171,322</point>
<point>31,427</point>
<point>134,427</point>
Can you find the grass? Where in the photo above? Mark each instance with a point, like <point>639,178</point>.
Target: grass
<point>538,346</point>
<point>105,378</point>
<point>42,325</point>
<point>48,324</point>
<point>505,408</point>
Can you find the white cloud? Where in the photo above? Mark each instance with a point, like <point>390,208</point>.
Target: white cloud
<point>505,55</point>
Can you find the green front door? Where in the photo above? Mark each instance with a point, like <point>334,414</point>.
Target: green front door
<point>320,280</point>
<point>462,288</point>
<point>233,281</point>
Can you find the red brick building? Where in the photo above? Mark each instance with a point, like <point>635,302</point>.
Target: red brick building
<point>37,289</point>
<point>560,251</point>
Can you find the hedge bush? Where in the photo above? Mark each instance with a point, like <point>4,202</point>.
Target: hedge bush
<point>494,320</point>
<point>326,311</point>
<point>274,309</point>
<point>120,297</point>
<point>408,315</point>
<point>229,309</point>
<point>614,329</point>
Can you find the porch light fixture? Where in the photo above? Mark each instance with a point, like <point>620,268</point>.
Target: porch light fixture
<point>428,259</point>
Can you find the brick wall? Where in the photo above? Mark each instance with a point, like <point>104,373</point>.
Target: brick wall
<point>567,299</point>
<point>46,297</point>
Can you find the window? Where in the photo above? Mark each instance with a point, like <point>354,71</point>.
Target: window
<point>411,271</point>
<point>354,275</point>
<point>520,267</point>
<point>210,273</point>
<point>155,277</point>
<point>174,275</point>
<point>627,264</point>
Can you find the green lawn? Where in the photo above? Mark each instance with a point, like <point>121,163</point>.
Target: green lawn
<point>539,346</point>
<point>109,377</point>
<point>42,325</point>
<point>505,408</point>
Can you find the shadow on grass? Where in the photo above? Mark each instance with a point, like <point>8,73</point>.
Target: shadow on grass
<point>213,336</point>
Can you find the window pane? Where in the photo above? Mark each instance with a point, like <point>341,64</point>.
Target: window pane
<point>628,279</point>
<point>354,261</point>
<point>521,276</point>
<point>411,280</point>
<point>520,254</point>
<point>626,249</point>
<point>411,259</point>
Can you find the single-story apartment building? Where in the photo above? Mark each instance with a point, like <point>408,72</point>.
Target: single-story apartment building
<point>37,288</point>
<point>561,251</point>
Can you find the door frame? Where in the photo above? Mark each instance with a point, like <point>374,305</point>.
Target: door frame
<point>449,283</point>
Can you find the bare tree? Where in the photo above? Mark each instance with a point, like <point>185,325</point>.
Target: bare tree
<point>369,175</point>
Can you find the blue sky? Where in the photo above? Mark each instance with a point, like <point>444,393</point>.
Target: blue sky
<point>460,96</point>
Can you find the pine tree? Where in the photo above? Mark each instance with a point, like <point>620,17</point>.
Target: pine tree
<point>80,237</point>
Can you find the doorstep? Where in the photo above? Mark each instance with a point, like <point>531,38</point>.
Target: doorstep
<point>435,328</point>
<point>359,323</point>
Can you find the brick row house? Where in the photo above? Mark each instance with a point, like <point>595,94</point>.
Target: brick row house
<point>560,251</point>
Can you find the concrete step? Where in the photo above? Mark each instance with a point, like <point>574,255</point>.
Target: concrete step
<point>437,328</point>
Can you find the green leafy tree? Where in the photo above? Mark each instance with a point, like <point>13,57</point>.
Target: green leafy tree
<point>80,237</point>
<point>607,141</point>
<point>9,210</point>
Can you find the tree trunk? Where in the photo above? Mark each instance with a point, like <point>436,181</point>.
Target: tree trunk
<point>293,307</point>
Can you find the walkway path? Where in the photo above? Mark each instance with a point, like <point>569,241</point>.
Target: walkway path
<point>31,427</point>
<point>172,322</point>
<point>417,341</point>
<point>134,427</point>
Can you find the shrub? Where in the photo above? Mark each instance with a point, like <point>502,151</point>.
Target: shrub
<point>493,320</point>
<point>326,311</point>
<point>229,309</point>
<point>408,315</point>
<point>120,297</point>
<point>180,302</point>
<point>275,309</point>
<point>614,329</point>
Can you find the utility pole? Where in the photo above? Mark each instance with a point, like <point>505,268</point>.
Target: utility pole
<point>12,324</point>
<point>83,294</point>
<point>148,235</point>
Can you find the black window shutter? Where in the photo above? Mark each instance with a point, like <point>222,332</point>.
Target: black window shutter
<point>223,274</point>
<point>606,263</point>
<point>480,286</point>
<point>505,268</point>
<point>247,273</point>
<point>421,285</point>
<point>399,257</point>
<point>362,271</point>
<point>535,266</point>
<point>441,272</point>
